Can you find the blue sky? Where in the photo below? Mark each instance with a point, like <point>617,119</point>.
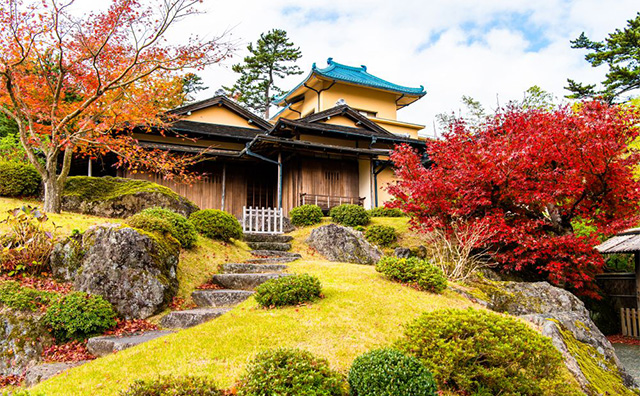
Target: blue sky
<point>492,50</point>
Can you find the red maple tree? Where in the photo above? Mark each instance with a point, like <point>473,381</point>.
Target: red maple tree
<point>77,83</point>
<point>528,175</point>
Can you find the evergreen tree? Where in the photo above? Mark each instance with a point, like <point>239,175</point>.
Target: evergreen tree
<point>269,60</point>
<point>191,85</point>
<point>621,53</point>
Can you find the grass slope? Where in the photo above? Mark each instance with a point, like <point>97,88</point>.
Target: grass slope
<point>361,311</point>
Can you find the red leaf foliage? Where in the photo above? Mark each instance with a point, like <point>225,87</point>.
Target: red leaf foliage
<point>179,303</point>
<point>127,327</point>
<point>526,175</point>
<point>10,380</point>
<point>620,339</point>
<point>40,283</point>
<point>74,351</point>
<point>209,286</point>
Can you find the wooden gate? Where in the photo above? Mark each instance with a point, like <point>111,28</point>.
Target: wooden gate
<point>262,220</point>
<point>629,322</point>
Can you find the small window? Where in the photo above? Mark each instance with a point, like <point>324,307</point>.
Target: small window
<point>368,114</point>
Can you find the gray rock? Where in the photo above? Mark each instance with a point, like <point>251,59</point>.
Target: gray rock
<point>563,317</point>
<point>43,372</point>
<point>219,298</point>
<point>250,268</point>
<point>133,270</point>
<point>402,252</point>
<point>343,244</point>
<point>105,345</point>
<point>22,340</point>
<point>191,317</point>
<point>243,281</point>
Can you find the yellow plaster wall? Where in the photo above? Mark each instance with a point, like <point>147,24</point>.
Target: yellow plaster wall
<point>219,115</point>
<point>381,103</point>
<point>364,181</point>
<point>400,128</point>
<point>341,120</point>
<point>384,178</point>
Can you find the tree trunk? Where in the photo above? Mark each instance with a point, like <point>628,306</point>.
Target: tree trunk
<point>52,195</point>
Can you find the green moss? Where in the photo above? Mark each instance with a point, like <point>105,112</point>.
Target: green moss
<point>95,189</point>
<point>602,375</point>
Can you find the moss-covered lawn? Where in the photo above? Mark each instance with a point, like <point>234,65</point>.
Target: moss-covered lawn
<point>361,311</point>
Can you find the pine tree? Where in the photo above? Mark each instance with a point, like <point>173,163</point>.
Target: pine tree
<point>269,60</point>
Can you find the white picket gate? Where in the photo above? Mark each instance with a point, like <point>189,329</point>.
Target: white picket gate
<point>262,220</point>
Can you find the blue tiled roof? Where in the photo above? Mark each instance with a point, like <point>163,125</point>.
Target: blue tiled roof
<point>354,75</point>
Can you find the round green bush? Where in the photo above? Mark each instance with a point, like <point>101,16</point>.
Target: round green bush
<point>381,235</point>
<point>290,372</point>
<point>173,386</point>
<point>350,215</point>
<point>413,270</point>
<point>216,224</point>
<point>388,372</point>
<point>305,215</point>
<point>184,231</point>
<point>78,316</point>
<point>18,179</point>
<point>385,212</point>
<point>288,290</point>
<point>482,352</point>
<point>151,223</point>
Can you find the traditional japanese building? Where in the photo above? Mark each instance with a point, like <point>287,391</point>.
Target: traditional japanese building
<point>329,144</point>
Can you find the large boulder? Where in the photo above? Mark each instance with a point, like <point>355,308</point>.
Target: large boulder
<point>134,270</point>
<point>560,315</point>
<point>22,340</point>
<point>119,197</point>
<point>343,244</point>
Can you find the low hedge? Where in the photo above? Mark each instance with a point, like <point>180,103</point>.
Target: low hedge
<point>381,235</point>
<point>216,224</point>
<point>182,229</point>
<point>386,212</point>
<point>305,215</point>
<point>78,316</point>
<point>388,372</point>
<point>349,215</point>
<point>412,270</point>
<point>479,352</point>
<point>173,386</point>
<point>290,372</point>
<point>288,290</point>
<point>18,179</point>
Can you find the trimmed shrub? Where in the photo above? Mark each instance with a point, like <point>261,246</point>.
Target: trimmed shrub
<point>18,179</point>
<point>78,316</point>
<point>350,215</point>
<point>385,212</point>
<point>151,223</point>
<point>14,296</point>
<point>288,290</point>
<point>305,215</point>
<point>412,270</point>
<point>216,224</point>
<point>482,352</point>
<point>388,372</point>
<point>173,386</point>
<point>183,229</point>
<point>381,235</point>
<point>290,372</point>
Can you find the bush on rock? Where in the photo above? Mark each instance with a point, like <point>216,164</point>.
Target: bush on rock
<point>385,212</point>
<point>216,224</point>
<point>12,295</point>
<point>485,353</point>
<point>18,179</point>
<point>412,270</point>
<point>79,315</point>
<point>305,215</point>
<point>173,386</point>
<point>288,290</point>
<point>350,215</point>
<point>381,235</point>
<point>388,372</point>
<point>290,372</point>
<point>154,220</point>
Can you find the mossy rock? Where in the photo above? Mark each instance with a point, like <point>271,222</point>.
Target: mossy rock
<point>119,197</point>
<point>23,338</point>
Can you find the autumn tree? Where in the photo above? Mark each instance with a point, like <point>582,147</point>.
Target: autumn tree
<point>270,60</point>
<point>79,83</point>
<point>528,175</point>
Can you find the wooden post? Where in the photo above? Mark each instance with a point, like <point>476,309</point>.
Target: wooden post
<point>279,180</point>
<point>90,168</point>
<point>224,184</point>
<point>637,262</point>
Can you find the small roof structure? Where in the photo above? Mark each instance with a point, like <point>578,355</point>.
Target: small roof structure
<point>627,241</point>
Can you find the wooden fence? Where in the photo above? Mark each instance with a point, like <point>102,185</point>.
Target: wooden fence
<point>629,322</point>
<point>262,220</point>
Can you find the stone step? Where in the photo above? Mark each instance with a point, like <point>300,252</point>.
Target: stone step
<point>252,237</point>
<point>243,281</point>
<point>191,317</point>
<point>274,253</point>
<point>281,247</point>
<point>272,260</point>
<point>42,372</point>
<point>251,268</point>
<point>219,298</point>
<point>105,345</point>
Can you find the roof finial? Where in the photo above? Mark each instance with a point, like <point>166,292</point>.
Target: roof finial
<point>329,61</point>
<point>313,67</point>
<point>363,67</point>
